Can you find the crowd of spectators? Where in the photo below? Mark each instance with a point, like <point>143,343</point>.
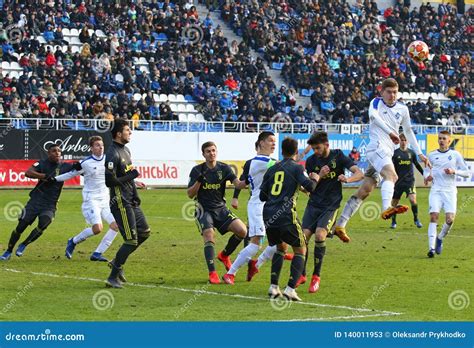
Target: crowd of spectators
<point>341,52</point>
<point>327,47</point>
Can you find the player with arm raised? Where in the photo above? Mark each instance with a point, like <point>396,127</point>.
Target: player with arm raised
<point>386,116</point>
<point>254,170</point>
<point>43,201</point>
<point>447,163</point>
<point>404,159</point>
<point>279,190</point>
<point>96,200</point>
<point>207,184</point>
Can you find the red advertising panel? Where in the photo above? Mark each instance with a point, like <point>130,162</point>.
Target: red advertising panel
<point>12,174</point>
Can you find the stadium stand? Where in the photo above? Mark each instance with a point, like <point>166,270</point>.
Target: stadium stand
<point>159,61</point>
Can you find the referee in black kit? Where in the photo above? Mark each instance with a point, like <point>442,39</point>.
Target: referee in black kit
<point>124,200</point>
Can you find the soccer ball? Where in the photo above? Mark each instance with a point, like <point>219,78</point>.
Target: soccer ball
<point>418,51</point>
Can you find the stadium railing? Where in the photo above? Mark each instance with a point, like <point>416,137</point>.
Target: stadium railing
<point>206,126</point>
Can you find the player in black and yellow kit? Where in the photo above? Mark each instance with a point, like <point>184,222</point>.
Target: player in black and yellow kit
<point>323,204</point>
<point>279,191</point>
<point>403,160</point>
<point>124,201</point>
<point>207,184</point>
<point>43,200</point>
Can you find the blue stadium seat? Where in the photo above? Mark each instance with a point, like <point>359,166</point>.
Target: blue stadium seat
<point>189,98</point>
<point>162,37</point>
<point>277,66</point>
<point>306,92</point>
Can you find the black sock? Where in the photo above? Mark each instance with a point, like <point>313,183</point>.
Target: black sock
<point>15,236</point>
<point>277,264</point>
<point>414,208</point>
<point>209,256</point>
<point>34,235</point>
<point>297,265</point>
<point>246,240</point>
<point>232,244</point>
<point>319,251</point>
<point>121,257</point>
<point>305,262</point>
<point>394,219</point>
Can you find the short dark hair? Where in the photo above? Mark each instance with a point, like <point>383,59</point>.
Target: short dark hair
<point>51,146</point>
<point>289,147</point>
<point>94,138</point>
<point>207,144</point>
<point>389,83</point>
<point>119,125</point>
<point>402,135</point>
<point>318,138</point>
<point>262,137</point>
<point>445,132</point>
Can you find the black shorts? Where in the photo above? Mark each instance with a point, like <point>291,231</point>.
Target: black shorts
<point>131,222</point>
<point>317,217</point>
<point>290,234</point>
<point>408,188</point>
<point>219,218</point>
<point>34,209</point>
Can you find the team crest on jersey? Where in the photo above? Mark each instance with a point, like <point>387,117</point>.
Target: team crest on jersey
<point>398,115</point>
<point>317,169</point>
<point>110,165</point>
<point>219,174</point>
<point>333,164</point>
<point>450,158</point>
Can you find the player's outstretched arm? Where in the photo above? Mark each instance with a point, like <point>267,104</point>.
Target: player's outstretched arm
<point>77,170</point>
<point>461,167</point>
<point>357,175</point>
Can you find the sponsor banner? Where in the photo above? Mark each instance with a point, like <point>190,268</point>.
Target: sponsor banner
<point>12,174</point>
<point>164,173</point>
<point>12,142</point>
<point>173,173</point>
<point>74,144</point>
<point>464,144</point>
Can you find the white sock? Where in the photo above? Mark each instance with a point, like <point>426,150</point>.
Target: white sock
<point>83,235</point>
<point>106,242</point>
<point>352,205</point>
<point>387,189</point>
<point>244,257</point>
<point>444,231</point>
<point>266,255</point>
<point>432,235</point>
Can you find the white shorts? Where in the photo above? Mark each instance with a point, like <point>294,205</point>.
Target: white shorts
<point>255,216</point>
<point>443,200</point>
<point>379,158</point>
<point>95,211</point>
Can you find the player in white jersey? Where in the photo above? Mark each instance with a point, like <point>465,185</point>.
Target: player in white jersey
<point>447,163</point>
<point>386,116</point>
<point>254,170</point>
<point>95,206</point>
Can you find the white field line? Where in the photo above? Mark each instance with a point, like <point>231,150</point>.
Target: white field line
<point>339,318</point>
<point>199,291</point>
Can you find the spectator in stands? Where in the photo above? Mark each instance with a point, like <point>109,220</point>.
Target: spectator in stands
<point>354,155</point>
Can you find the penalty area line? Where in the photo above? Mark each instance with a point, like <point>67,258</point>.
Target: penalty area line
<point>214,293</point>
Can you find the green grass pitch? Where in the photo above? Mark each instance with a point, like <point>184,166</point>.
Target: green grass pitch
<point>382,274</point>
